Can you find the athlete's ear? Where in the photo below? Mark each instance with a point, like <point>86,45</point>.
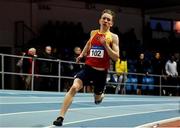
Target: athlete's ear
<point>100,21</point>
<point>112,23</point>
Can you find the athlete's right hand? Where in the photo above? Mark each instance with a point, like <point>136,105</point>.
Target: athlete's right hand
<point>79,58</point>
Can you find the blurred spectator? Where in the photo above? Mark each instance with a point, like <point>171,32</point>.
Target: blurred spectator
<point>171,71</point>
<point>158,66</point>
<point>142,68</point>
<point>121,70</point>
<point>177,59</point>
<point>19,67</point>
<point>111,79</point>
<point>75,67</point>
<point>46,68</point>
<point>27,67</point>
<point>20,62</point>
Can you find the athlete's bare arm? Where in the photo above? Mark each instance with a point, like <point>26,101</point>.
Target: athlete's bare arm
<point>114,51</point>
<point>84,52</point>
<point>86,48</point>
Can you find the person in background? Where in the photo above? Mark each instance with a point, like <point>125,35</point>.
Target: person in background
<point>72,68</point>
<point>27,67</point>
<point>177,59</point>
<point>121,70</point>
<point>141,69</point>
<point>19,64</point>
<point>75,68</point>
<point>46,68</point>
<point>172,75</point>
<point>158,68</point>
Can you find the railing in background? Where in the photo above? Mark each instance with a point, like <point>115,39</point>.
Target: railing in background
<point>59,75</point>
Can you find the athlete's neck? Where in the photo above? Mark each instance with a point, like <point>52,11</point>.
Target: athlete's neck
<point>103,30</point>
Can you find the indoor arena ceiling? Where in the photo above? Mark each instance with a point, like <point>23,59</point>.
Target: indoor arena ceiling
<point>141,4</point>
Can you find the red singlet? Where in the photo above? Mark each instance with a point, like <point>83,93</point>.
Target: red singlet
<point>97,56</point>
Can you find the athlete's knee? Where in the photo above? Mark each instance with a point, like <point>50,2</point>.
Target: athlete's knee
<point>77,85</point>
<point>72,91</point>
<point>75,88</point>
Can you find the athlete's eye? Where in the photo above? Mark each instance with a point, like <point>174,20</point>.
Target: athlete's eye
<point>105,18</point>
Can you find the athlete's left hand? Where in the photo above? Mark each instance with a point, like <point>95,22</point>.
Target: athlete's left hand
<point>79,58</point>
<point>103,40</point>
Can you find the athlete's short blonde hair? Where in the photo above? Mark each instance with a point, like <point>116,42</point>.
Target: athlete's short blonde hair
<point>112,13</point>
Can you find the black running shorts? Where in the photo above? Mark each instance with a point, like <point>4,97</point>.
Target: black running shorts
<point>98,78</point>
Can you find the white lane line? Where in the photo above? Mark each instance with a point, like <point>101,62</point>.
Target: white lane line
<point>19,113</point>
<point>156,123</point>
<point>105,117</point>
<point>21,97</point>
<point>120,98</point>
<point>60,100</point>
<point>30,103</point>
<point>87,108</point>
<point>16,103</point>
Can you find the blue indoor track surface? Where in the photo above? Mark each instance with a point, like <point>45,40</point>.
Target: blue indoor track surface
<point>40,109</point>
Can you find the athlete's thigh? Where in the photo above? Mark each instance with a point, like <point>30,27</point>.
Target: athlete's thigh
<point>85,75</point>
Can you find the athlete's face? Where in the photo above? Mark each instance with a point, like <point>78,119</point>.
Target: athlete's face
<point>106,20</point>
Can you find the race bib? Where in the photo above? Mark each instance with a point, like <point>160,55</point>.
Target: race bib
<point>97,52</point>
